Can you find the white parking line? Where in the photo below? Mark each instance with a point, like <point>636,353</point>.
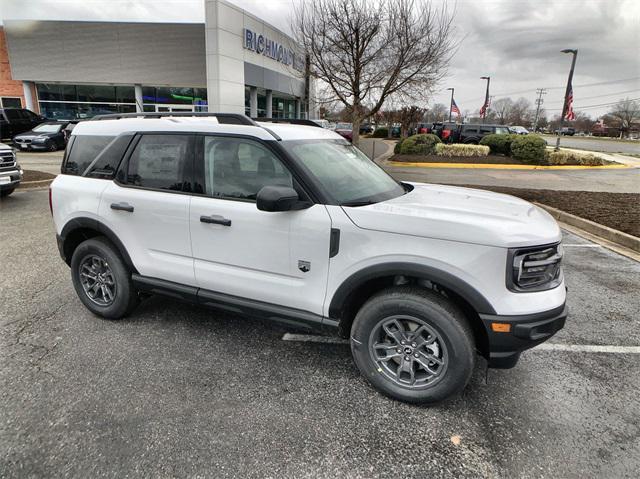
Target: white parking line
<point>582,246</point>
<point>576,348</point>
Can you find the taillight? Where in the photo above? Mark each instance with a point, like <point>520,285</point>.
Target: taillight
<point>50,202</point>
<point>446,134</point>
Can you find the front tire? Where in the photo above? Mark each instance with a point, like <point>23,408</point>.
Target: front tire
<point>7,192</point>
<point>102,280</point>
<point>413,345</point>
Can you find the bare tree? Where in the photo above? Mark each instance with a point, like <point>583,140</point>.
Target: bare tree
<point>366,51</point>
<point>625,113</point>
<point>501,109</point>
<point>438,112</point>
<point>408,117</point>
<point>521,113</point>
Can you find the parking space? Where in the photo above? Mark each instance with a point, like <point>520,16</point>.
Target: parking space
<point>178,390</point>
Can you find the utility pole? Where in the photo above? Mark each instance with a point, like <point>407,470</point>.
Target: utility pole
<point>451,103</point>
<point>566,93</point>
<point>485,107</point>
<point>539,102</point>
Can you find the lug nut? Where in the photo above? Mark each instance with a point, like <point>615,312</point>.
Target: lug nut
<point>403,342</point>
<point>399,350</point>
<point>413,345</point>
<point>416,355</point>
<point>406,358</point>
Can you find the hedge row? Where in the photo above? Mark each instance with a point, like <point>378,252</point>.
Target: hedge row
<point>526,148</point>
<point>460,149</point>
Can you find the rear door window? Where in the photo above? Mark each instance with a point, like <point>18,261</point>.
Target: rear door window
<point>470,129</point>
<point>163,162</point>
<point>85,149</point>
<point>107,161</point>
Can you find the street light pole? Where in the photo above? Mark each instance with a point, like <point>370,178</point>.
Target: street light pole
<point>486,97</point>
<point>451,103</point>
<point>566,94</point>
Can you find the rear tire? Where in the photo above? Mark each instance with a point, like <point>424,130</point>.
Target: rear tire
<point>413,345</point>
<point>102,280</point>
<point>52,146</point>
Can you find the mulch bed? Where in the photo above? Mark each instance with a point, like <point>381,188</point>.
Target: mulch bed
<point>620,211</point>
<point>490,159</point>
<point>30,175</point>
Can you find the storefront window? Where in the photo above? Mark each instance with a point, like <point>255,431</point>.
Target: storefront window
<point>78,111</point>
<point>56,92</point>
<point>96,93</point>
<point>125,94</point>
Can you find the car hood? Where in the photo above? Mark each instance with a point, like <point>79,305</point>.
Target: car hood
<point>460,214</point>
<point>34,134</point>
<point>4,146</point>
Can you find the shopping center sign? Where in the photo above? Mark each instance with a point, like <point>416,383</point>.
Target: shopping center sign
<point>263,45</point>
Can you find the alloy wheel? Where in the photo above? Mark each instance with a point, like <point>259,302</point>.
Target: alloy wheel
<point>408,351</point>
<point>97,279</point>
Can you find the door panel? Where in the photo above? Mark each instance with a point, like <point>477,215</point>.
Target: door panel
<point>259,255</point>
<point>155,233</point>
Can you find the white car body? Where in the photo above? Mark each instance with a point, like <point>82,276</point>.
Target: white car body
<point>459,233</point>
<point>10,171</point>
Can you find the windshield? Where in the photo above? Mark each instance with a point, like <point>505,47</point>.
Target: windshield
<point>345,172</point>
<point>47,128</point>
<point>344,126</point>
<point>502,130</point>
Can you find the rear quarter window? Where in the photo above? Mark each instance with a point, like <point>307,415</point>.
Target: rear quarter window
<point>107,161</point>
<point>84,150</point>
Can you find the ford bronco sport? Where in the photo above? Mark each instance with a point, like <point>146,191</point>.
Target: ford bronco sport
<point>292,223</point>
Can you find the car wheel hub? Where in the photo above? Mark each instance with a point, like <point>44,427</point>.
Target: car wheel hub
<point>97,280</point>
<point>408,351</point>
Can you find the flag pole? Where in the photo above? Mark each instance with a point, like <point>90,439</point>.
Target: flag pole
<point>451,103</point>
<point>486,98</point>
<point>566,95</point>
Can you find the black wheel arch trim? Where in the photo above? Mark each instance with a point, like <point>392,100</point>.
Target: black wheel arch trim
<point>443,278</point>
<point>93,224</point>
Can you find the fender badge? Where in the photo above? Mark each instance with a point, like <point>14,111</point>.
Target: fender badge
<point>304,266</point>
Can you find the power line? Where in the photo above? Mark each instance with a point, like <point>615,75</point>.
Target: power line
<point>600,96</point>
<point>593,106</point>
<point>609,82</point>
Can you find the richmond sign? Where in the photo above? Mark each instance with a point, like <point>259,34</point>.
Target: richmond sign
<point>263,45</point>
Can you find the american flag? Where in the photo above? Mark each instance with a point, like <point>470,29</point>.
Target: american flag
<point>483,110</point>
<point>454,107</point>
<point>570,114</point>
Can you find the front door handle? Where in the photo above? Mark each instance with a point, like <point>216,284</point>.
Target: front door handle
<point>122,207</point>
<point>216,220</point>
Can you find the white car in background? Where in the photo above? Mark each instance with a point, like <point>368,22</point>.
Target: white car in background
<point>10,171</point>
<point>518,130</point>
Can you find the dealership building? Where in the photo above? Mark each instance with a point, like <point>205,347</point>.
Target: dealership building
<point>234,62</point>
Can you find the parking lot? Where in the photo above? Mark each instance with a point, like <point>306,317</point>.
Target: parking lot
<point>178,390</point>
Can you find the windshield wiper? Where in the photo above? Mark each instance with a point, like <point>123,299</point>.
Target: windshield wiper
<point>358,203</point>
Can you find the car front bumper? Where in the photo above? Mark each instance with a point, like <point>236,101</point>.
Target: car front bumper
<point>525,331</point>
<point>10,179</point>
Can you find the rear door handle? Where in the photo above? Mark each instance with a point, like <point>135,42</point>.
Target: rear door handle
<point>216,220</point>
<point>122,207</point>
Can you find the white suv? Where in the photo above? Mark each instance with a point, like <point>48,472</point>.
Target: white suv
<point>292,223</point>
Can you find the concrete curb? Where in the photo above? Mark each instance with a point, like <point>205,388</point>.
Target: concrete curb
<point>609,234</point>
<point>28,184</point>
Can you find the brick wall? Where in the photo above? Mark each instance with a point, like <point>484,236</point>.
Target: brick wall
<point>8,86</point>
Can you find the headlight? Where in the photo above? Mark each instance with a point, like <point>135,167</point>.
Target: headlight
<point>534,269</point>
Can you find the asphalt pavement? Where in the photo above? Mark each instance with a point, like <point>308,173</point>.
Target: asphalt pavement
<point>606,145</point>
<point>176,390</point>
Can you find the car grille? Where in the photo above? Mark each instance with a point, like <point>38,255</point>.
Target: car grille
<point>7,160</point>
<point>22,140</point>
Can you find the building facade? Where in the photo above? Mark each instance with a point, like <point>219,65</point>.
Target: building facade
<point>233,63</point>
<point>11,91</point>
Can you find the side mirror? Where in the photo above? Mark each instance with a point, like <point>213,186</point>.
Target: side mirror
<point>279,198</point>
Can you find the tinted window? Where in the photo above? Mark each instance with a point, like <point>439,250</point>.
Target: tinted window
<point>486,129</point>
<point>12,114</point>
<point>470,129</point>
<point>239,168</point>
<point>106,163</point>
<point>161,162</point>
<point>85,149</point>
<point>9,102</point>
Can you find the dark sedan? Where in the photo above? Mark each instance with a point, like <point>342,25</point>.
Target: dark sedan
<point>49,136</point>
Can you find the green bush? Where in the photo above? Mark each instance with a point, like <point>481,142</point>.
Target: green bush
<point>529,149</point>
<point>396,149</point>
<point>499,144</point>
<point>458,149</point>
<point>380,133</point>
<point>423,144</point>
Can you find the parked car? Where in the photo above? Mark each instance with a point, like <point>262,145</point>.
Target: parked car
<point>292,223</point>
<point>345,130</point>
<point>566,130</point>
<point>10,171</point>
<point>322,123</point>
<point>472,133</point>
<point>444,130</point>
<point>50,136</point>
<point>366,129</point>
<point>14,121</point>
<point>518,130</point>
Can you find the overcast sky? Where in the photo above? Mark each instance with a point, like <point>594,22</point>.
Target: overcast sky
<point>516,42</point>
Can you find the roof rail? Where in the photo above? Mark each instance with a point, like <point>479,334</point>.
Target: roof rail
<point>223,118</point>
<point>290,121</point>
